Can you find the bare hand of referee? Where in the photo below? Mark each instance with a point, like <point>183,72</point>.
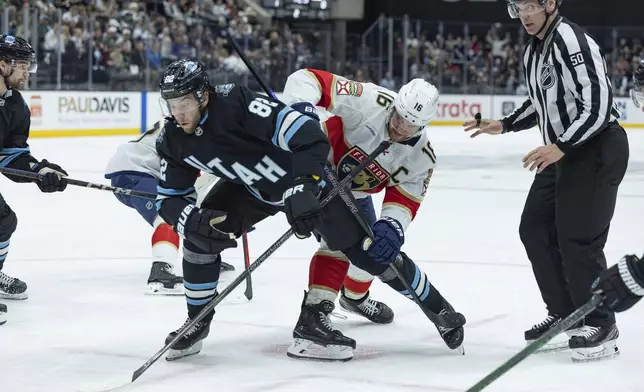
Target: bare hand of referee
<point>541,157</point>
<point>491,127</point>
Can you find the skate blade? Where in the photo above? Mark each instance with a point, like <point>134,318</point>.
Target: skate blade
<point>159,289</point>
<point>173,355</point>
<point>460,349</point>
<point>592,354</point>
<point>3,318</point>
<point>306,349</point>
<point>20,296</point>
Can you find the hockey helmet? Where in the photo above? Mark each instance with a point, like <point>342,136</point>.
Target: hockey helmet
<point>416,104</point>
<point>637,92</point>
<point>17,51</point>
<point>181,79</point>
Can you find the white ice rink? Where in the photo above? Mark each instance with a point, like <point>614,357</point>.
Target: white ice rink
<point>87,324</point>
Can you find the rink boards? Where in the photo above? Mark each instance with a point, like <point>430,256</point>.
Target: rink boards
<point>77,113</point>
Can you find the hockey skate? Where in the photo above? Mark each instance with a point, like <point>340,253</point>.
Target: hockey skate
<point>12,288</point>
<point>453,337</point>
<point>162,281</point>
<point>594,343</point>
<point>315,337</point>
<point>190,343</point>
<point>559,342</point>
<point>3,314</point>
<point>374,311</point>
<point>225,267</point>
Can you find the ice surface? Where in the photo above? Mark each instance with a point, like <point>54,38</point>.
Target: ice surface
<point>87,324</point>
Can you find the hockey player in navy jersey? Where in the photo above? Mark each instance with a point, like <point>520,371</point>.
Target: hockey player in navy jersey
<point>137,165</point>
<point>17,61</point>
<point>270,159</point>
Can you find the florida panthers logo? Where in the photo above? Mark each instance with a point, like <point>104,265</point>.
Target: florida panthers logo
<point>370,178</point>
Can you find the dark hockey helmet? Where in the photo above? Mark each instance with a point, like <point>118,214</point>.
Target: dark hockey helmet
<point>637,92</point>
<point>184,77</point>
<point>15,50</point>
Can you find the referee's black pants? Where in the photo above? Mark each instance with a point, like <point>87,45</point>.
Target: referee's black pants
<point>566,218</point>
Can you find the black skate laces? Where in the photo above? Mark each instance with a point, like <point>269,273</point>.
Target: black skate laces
<point>6,280</point>
<point>545,322</point>
<point>192,330</point>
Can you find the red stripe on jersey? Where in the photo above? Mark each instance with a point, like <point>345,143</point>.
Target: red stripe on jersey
<point>335,132</point>
<point>394,196</point>
<point>326,80</point>
<point>355,286</point>
<point>327,272</point>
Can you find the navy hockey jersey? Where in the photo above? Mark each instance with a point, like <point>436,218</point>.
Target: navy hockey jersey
<point>245,138</point>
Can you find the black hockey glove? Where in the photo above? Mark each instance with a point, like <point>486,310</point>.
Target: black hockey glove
<point>302,207</point>
<point>622,284</point>
<point>199,227</point>
<point>53,177</point>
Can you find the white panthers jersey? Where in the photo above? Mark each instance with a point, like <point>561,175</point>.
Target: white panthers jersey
<point>358,123</point>
<point>139,155</point>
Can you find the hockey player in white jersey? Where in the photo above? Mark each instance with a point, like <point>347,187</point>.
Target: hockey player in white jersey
<point>137,165</point>
<point>362,115</point>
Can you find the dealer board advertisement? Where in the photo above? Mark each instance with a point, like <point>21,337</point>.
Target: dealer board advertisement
<point>72,113</point>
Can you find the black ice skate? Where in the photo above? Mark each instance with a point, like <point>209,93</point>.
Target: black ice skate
<point>3,314</point>
<point>594,343</point>
<point>315,338</point>
<point>559,342</point>
<point>225,267</point>
<point>190,343</point>
<point>162,281</point>
<point>12,288</point>
<point>374,311</point>
<point>453,337</point>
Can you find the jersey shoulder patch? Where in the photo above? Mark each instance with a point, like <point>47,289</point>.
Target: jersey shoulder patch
<point>224,89</point>
<point>348,87</point>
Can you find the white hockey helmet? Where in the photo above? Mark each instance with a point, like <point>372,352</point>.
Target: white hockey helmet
<point>417,102</point>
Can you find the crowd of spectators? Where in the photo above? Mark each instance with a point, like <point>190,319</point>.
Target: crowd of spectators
<point>128,43</point>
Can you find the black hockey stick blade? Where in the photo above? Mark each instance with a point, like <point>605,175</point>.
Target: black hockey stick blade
<point>71,181</point>
<point>574,317</point>
<point>249,282</point>
<point>233,285</point>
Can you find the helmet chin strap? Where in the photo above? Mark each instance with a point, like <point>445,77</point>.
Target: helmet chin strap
<point>545,22</point>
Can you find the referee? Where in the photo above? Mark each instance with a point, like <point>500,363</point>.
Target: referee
<point>579,168</point>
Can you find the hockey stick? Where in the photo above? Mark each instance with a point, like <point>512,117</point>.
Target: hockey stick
<point>249,283</point>
<point>251,67</point>
<point>71,181</point>
<point>233,285</point>
<point>454,320</point>
<point>577,315</point>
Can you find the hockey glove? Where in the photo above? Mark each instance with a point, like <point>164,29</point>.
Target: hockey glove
<point>307,109</point>
<point>302,207</point>
<point>199,227</point>
<point>52,177</point>
<point>622,284</point>
<point>388,238</point>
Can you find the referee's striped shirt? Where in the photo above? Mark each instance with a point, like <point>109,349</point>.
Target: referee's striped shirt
<point>570,94</point>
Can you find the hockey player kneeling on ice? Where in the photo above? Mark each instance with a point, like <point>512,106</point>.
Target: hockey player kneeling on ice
<point>270,158</point>
<point>17,62</point>
<point>137,165</point>
<point>362,115</point>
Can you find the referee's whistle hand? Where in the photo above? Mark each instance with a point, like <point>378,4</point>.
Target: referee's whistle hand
<point>491,127</point>
<point>542,157</point>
